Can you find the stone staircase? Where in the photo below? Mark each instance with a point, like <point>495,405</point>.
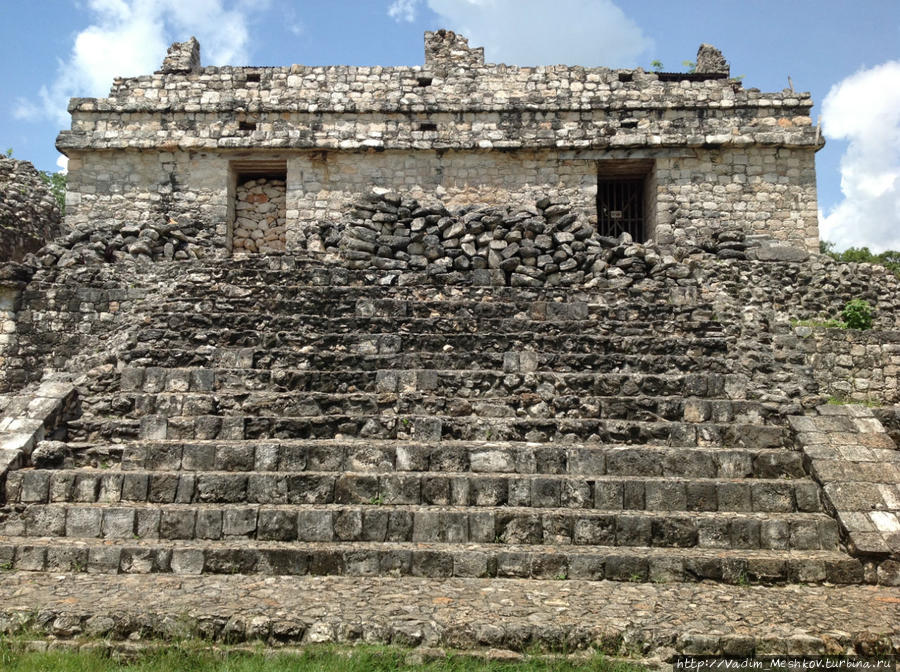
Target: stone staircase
<point>323,421</point>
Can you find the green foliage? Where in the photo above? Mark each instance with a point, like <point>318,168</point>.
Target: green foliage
<point>57,184</point>
<point>55,181</point>
<point>657,65</point>
<point>858,314</point>
<point>890,259</point>
<point>843,401</point>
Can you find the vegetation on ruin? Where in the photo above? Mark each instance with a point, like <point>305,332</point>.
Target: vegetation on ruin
<point>657,66</point>
<point>890,259</point>
<point>56,182</point>
<point>856,314</point>
<point>844,401</point>
<point>315,658</point>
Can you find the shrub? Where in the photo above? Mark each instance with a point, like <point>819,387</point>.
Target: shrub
<point>857,314</point>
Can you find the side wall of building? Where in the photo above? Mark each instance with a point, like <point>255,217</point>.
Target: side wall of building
<point>121,191</point>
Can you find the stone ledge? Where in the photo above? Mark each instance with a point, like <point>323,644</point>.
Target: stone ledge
<point>30,417</point>
<point>638,620</point>
<point>851,455</point>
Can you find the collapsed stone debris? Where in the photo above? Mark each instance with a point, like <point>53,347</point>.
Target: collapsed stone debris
<point>29,213</point>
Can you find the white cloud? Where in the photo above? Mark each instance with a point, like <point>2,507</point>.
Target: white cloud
<point>537,32</point>
<point>864,110</point>
<point>130,37</point>
<point>403,10</point>
<point>62,162</point>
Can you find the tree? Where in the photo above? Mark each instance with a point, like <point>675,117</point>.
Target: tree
<point>57,184</point>
<point>890,259</point>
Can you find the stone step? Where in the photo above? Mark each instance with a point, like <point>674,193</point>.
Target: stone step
<point>434,560</point>
<point>609,493</point>
<point>302,521</point>
<point>544,404</point>
<point>297,284</point>
<point>227,327</point>
<point>457,457</point>
<point>429,428</point>
<point>287,271</point>
<point>329,303</point>
<point>545,343</point>
<point>471,383</point>
<point>365,356</point>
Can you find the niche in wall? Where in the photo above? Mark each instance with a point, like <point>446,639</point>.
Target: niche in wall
<point>258,222</point>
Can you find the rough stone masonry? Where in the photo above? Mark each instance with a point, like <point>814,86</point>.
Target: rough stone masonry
<point>699,150</point>
<point>366,354</point>
<point>29,214</point>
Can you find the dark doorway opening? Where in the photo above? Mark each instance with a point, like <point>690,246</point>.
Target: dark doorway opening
<point>622,197</point>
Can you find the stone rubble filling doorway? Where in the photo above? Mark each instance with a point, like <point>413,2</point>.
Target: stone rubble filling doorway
<point>259,223</point>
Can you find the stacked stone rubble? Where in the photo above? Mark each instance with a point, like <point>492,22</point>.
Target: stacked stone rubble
<point>29,213</point>
<point>549,243</point>
<point>158,240</point>
<point>259,224</point>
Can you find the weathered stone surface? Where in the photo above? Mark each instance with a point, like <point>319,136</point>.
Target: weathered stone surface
<point>435,361</point>
<point>29,214</point>
<point>458,612</point>
<point>402,122</point>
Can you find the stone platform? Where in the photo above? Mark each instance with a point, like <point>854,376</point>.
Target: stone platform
<point>641,620</point>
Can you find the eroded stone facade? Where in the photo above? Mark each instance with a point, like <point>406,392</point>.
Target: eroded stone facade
<point>29,213</point>
<point>711,154</point>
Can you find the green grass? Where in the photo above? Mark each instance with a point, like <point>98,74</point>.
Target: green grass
<point>13,658</point>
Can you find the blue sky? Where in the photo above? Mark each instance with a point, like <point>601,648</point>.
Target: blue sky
<point>846,53</point>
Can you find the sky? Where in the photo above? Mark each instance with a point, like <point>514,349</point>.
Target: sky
<point>847,54</point>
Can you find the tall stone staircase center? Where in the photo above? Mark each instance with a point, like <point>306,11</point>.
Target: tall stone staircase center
<point>314,421</point>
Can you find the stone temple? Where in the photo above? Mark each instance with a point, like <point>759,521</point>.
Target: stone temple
<point>661,156</point>
<point>445,356</point>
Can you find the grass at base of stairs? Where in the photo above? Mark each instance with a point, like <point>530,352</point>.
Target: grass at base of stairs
<point>50,656</point>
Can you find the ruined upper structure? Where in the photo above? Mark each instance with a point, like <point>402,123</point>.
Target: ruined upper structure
<point>659,155</point>
<point>29,212</point>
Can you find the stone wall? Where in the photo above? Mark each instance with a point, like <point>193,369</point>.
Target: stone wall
<point>691,194</point>
<point>29,213</point>
<point>763,192</point>
<point>852,365</point>
<point>816,289</point>
<point>259,224</point>
<point>67,317</point>
<point>134,203</point>
<point>724,154</point>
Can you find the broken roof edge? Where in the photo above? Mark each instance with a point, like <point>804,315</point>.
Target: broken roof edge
<point>445,48</point>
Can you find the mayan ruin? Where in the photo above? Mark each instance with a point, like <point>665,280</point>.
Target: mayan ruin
<point>415,355</point>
